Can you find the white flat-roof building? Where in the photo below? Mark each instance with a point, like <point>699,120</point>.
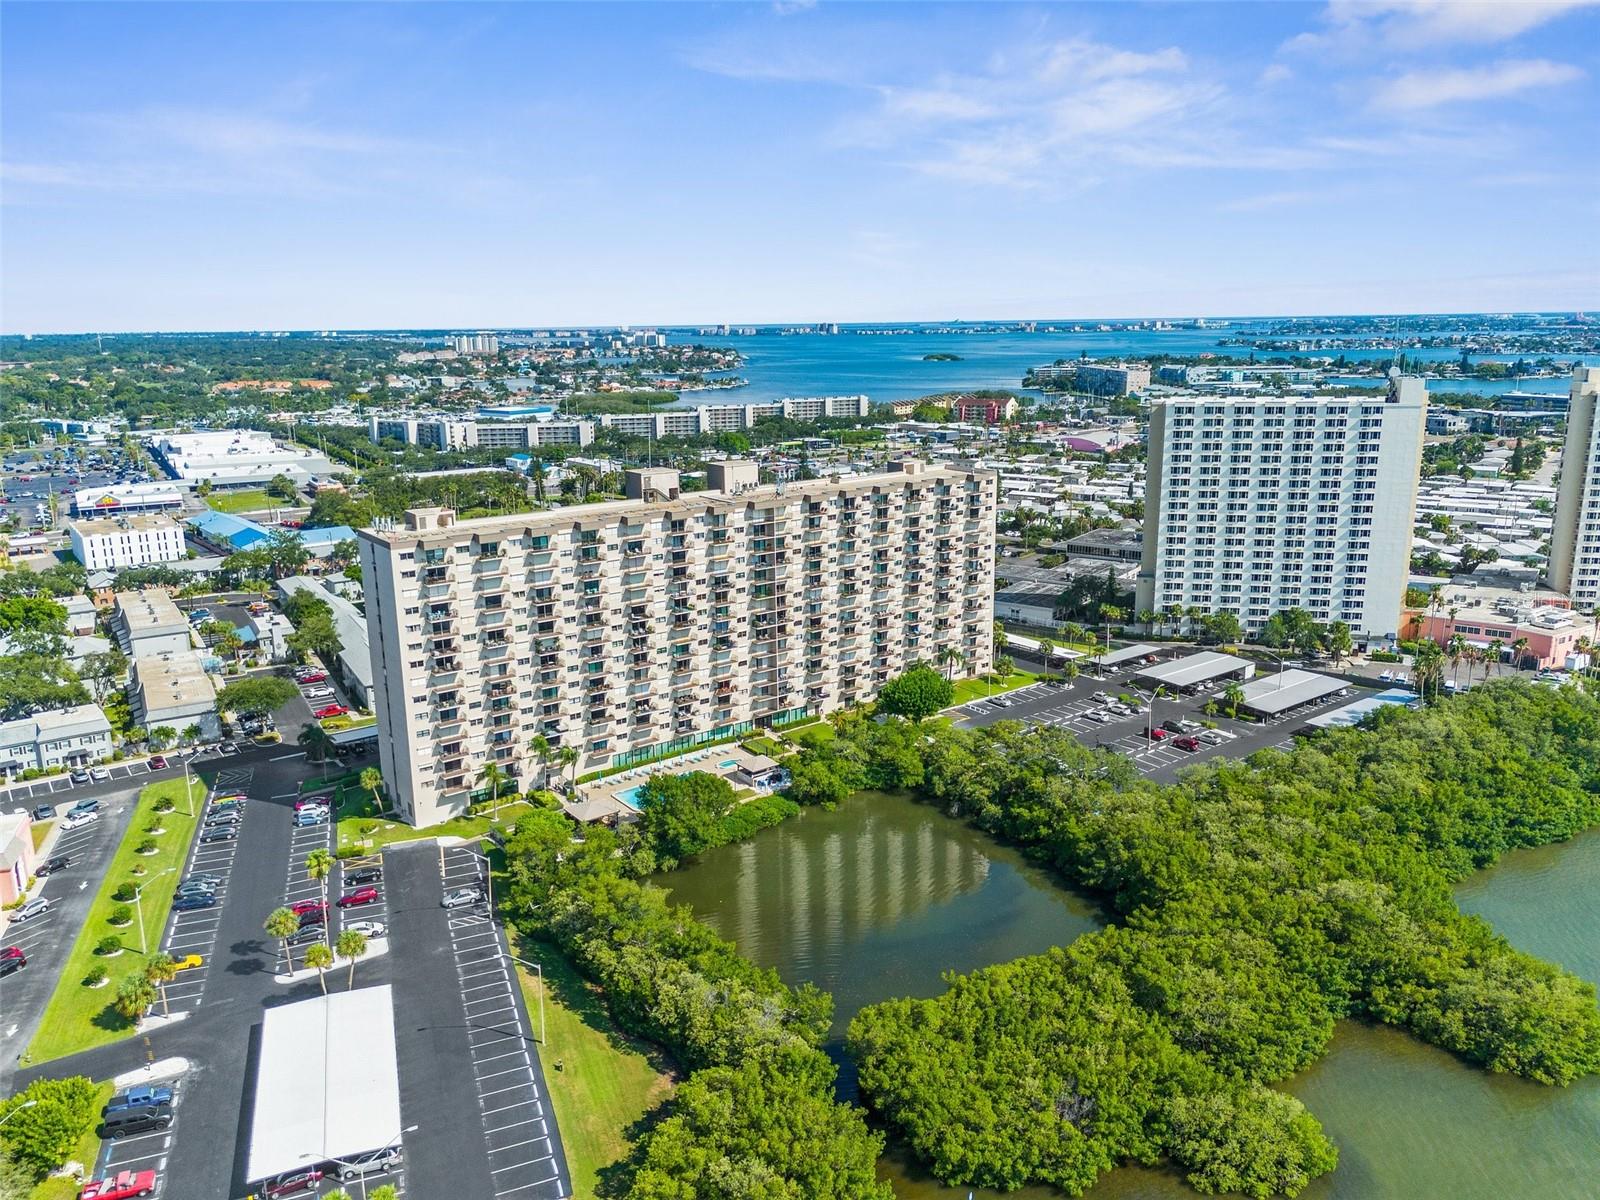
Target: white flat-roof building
<point>327,1082</point>
<point>235,457</point>
<point>1257,505</point>
<point>176,691</point>
<point>1575,539</point>
<point>112,499</point>
<point>136,540</point>
<point>149,623</point>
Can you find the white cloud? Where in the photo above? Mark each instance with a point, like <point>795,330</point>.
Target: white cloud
<point>1270,200</point>
<point>1429,89</point>
<point>1358,25</point>
<point>1275,73</point>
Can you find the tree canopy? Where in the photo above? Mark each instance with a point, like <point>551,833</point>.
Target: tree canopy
<point>256,696</point>
<point>916,693</point>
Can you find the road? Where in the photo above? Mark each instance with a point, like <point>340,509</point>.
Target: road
<point>47,940</point>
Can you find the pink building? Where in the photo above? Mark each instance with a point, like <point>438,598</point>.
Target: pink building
<point>1552,633</point>
<point>16,855</point>
<point>976,408</point>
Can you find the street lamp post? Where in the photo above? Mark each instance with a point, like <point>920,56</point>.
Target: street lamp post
<point>539,968</point>
<point>17,1109</point>
<point>138,894</point>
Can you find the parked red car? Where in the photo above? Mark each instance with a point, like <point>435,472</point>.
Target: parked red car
<point>289,1185</point>
<point>158,762</point>
<point>303,907</point>
<point>313,677</point>
<point>124,1185</point>
<point>1157,734</point>
<point>366,895</point>
<point>1187,743</point>
<point>332,710</point>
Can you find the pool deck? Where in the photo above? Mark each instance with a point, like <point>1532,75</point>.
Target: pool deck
<point>605,799</point>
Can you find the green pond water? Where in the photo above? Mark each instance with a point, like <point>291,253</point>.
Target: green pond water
<point>882,896</point>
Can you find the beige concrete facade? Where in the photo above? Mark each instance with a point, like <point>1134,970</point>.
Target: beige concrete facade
<point>637,628</point>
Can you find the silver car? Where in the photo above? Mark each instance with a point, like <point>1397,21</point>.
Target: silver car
<point>378,1162</point>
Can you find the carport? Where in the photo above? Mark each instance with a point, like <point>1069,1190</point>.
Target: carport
<point>1115,658</point>
<point>327,1085</point>
<point>1274,695</point>
<point>1033,649</point>
<point>1186,674</point>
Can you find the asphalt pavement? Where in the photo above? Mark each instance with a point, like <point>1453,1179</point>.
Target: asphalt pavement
<point>48,939</point>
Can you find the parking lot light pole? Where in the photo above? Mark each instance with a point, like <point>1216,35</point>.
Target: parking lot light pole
<point>17,1109</point>
<point>538,967</point>
<point>138,906</point>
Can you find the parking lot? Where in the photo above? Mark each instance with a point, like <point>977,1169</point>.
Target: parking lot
<point>1082,708</point>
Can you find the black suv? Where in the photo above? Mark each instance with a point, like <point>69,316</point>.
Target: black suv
<point>59,863</point>
<point>363,875</point>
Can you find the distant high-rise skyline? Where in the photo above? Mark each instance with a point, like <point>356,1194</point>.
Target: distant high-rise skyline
<point>271,166</point>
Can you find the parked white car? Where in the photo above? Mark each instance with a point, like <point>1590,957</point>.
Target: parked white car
<point>78,820</point>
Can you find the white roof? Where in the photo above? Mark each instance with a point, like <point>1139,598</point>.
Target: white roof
<point>1137,650</point>
<point>327,1085</point>
<point>1279,691</point>
<point>1195,669</point>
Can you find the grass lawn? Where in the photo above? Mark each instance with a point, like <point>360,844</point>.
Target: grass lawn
<point>40,830</point>
<point>819,733</point>
<point>360,827</point>
<point>251,500</point>
<point>349,721</point>
<point>86,1152</point>
<point>976,689</point>
<point>79,1017</point>
<point>606,1082</point>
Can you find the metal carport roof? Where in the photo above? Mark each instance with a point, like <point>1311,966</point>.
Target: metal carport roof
<point>327,1085</point>
<point>1195,669</point>
<point>1282,690</point>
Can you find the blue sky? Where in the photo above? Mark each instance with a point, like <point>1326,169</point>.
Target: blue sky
<point>237,166</point>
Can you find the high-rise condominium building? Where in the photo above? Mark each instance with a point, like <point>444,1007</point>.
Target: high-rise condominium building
<point>635,628</point>
<point>1575,540</point>
<point>1257,505</point>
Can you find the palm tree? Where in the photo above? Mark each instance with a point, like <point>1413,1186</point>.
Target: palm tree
<point>567,757</point>
<point>315,741</point>
<point>1174,614</point>
<point>1497,651</point>
<point>135,994</point>
<point>1453,610</point>
<point>1046,649</point>
<point>162,736</point>
<point>542,750</point>
<point>1147,618</point>
<point>1454,650</point>
<point>319,956</point>
<point>193,733</point>
<point>161,970</point>
<point>948,657</point>
<point>351,945</point>
<point>319,865</point>
<point>493,775</point>
<point>1519,652</point>
<point>1071,670</point>
<point>372,780</point>
<point>282,924</point>
<point>999,637</point>
<point>1234,695</point>
<point>1108,614</point>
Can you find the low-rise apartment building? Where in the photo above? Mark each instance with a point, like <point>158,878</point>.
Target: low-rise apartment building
<point>451,433</point>
<point>148,623</point>
<point>636,628</point>
<point>725,418</point>
<point>988,409</point>
<point>136,540</point>
<point>60,737</point>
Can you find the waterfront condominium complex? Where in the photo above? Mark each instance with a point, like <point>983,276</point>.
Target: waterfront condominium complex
<point>634,628</point>
<point>1257,505</point>
<point>1575,539</point>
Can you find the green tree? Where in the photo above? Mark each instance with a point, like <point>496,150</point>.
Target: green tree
<point>41,1138</point>
<point>283,924</point>
<point>372,780</point>
<point>314,740</point>
<point>680,813</point>
<point>162,736</point>
<point>161,970</point>
<point>32,683</point>
<point>567,759</point>
<point>315,636</point>
<point>916,693</point>
<point>319,865</point>
<point>1339,641</point>
<point>493,776</point>
<point>256,696</point>
<point>135,994</point>
<point>320,957</point>
<point>286,552</point>
<point>104,671</point>
<point>282,488</point>
<point>352,944</point>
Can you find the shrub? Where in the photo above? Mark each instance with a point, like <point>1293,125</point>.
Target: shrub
<point>110,944</point>
<point>163,806</point>
<point>125,892</point>
<point>155,827</point>
<point>95,977</point>
<point>148,846</point>
<point>120,915</point>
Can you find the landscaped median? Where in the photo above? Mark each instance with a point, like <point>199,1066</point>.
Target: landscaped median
<point>150,857</point>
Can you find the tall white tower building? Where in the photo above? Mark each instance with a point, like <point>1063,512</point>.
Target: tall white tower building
<point>1261,504</point>
<point>1575,540</point>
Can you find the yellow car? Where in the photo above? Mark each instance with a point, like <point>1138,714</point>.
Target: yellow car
<point>188,962</point>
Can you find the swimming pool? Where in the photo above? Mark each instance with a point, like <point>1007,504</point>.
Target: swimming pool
<point>631,797</point>
<point>726,763</point>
